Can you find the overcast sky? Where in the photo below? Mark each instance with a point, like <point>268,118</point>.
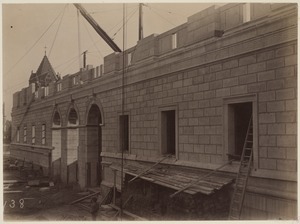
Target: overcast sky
<point>28,33</point>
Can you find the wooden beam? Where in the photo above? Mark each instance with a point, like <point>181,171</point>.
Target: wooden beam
<point>195,182</point>
<point>85,197</point>
<point>146,170</point>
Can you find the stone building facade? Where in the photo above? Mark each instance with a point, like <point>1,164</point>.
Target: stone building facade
<point>189,93</point>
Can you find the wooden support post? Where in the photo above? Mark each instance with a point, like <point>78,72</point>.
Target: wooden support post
<point>115,186</point>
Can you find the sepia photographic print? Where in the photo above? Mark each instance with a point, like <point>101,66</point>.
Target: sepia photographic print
<point>149,111</point>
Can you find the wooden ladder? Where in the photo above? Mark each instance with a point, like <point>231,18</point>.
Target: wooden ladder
<point>242,176</point>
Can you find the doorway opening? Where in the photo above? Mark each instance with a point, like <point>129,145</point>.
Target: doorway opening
<point>239,115</point>
<point>93,163</point>
<point>72,147</point>
<point>56,143</point>
<point>168,132</point>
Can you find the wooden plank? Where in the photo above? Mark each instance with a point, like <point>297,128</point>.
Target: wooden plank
<point>146,170</point>
<point>105,197</point>
<point>129,213</point>
<point>210,173</point>
<point>81,199</point>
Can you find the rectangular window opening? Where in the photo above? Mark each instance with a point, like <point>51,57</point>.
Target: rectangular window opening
<point>18,134</point>
<point>46,90</point>
<point>33,134</point>
<point>43,134</point>
<point>124,132</point>
<point>168,132</point>
<point>246,12</point>
<point>174,40</point>
<point>129,58</point>
<point>24,134</point>
<point>58,87</point>
<point>239,115</point>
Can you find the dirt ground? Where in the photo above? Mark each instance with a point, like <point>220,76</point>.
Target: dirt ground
<point>22,202</point>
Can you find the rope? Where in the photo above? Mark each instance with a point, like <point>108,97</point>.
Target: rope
<point>94,43</point>
<point>57,29</point>
<point>79,47</point>
<point>33,45</point>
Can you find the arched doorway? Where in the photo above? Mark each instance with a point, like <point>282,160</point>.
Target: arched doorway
<point>72,146</point>
<point>93,166</point>
<point>56,143</point>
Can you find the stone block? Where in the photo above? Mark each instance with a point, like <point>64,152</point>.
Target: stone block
<point>183,156</point>
<point>210,149</point>
<point>263,152</point>
<point>203,87</point>
<point>275,129</point>
<point>223,74</point>
<point>287,141</point>
<point>257,87</point>
<point>291,105</point>
<point>193,89</point>
<point>198,113</point>
<point>204,139</point>
<point>230,82</point>
<point>275,84</point>
<point>263,128</point>
<point>287,50</point>
<point>269,164</point>
<point>216,84</point>
<point>290,60</point>
<point>204,158</point>
<point>285,72</point>
<point>193,121</point>
<point>188,147</point>
<point>209,94</point>
<point>210,111</point>
<point>266,96</point>
<point>276,153</point>
<point>242,89</point>
<point>199,130</point>
<point>210,77</point>
<point>287,165</point>
<point>239,71</point>
<point>198,79</point>
<point>266,140</point>
<point>199,148</point>
<point>290,82</point>
<point>223,92</point>
<point>257,67</point>
<point>276,106</point>
<point>245,79</point>
<point>215,120</point>
<point>247,60</point>
<point>291,129</point>
<point>285,94</point>
<point>291,153</point>
<point>210,130</point>
<point>215,68</point>
<point>193,139</point>
<point>216,140</point>
<point>265,55</point>
<point>187,82</point>
<point>275,63</point>
<point>178,84</point>
<point>267,75</point>
<point>230,64</point>
<point>204,103</point>
<point>193,105</point>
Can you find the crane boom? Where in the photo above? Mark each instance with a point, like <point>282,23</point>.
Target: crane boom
<point>97,28</point>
